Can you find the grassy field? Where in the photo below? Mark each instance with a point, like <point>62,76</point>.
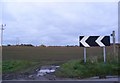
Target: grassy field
<point>51,53</point>
<point>47,55</point>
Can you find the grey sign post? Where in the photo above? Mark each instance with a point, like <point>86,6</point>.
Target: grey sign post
<point>85,55</point>
<point>90,41</point>
<point>104,53</point>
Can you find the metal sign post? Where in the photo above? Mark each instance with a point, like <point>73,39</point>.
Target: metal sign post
<point>114,49</point>
<point>2,28</point>
<point>84,55</point>
<point>104,54</point>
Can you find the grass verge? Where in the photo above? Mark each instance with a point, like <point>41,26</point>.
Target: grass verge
<point>16,65</point>
<point>78,69</point>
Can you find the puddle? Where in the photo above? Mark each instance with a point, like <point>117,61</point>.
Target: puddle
<point>46,70</point>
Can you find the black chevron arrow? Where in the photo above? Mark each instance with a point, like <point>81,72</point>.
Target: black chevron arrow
<point>88,41</point>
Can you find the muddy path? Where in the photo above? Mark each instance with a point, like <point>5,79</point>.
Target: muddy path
<point>41,73</point>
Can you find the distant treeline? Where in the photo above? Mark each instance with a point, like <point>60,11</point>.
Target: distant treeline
<point>42,45</point>
<point>21,45</point>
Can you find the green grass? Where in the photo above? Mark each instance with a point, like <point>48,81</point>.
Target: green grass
<point>16,65</point>
<point>78,69</point>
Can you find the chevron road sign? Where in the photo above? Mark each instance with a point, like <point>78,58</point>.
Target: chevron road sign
<point>89,41</point>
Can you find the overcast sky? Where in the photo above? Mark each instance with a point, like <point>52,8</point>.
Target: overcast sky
<point>57,23</point>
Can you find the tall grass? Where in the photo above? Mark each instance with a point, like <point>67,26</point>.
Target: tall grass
<point>93,67</point>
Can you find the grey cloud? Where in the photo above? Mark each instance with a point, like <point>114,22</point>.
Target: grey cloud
<point>59,23</point>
